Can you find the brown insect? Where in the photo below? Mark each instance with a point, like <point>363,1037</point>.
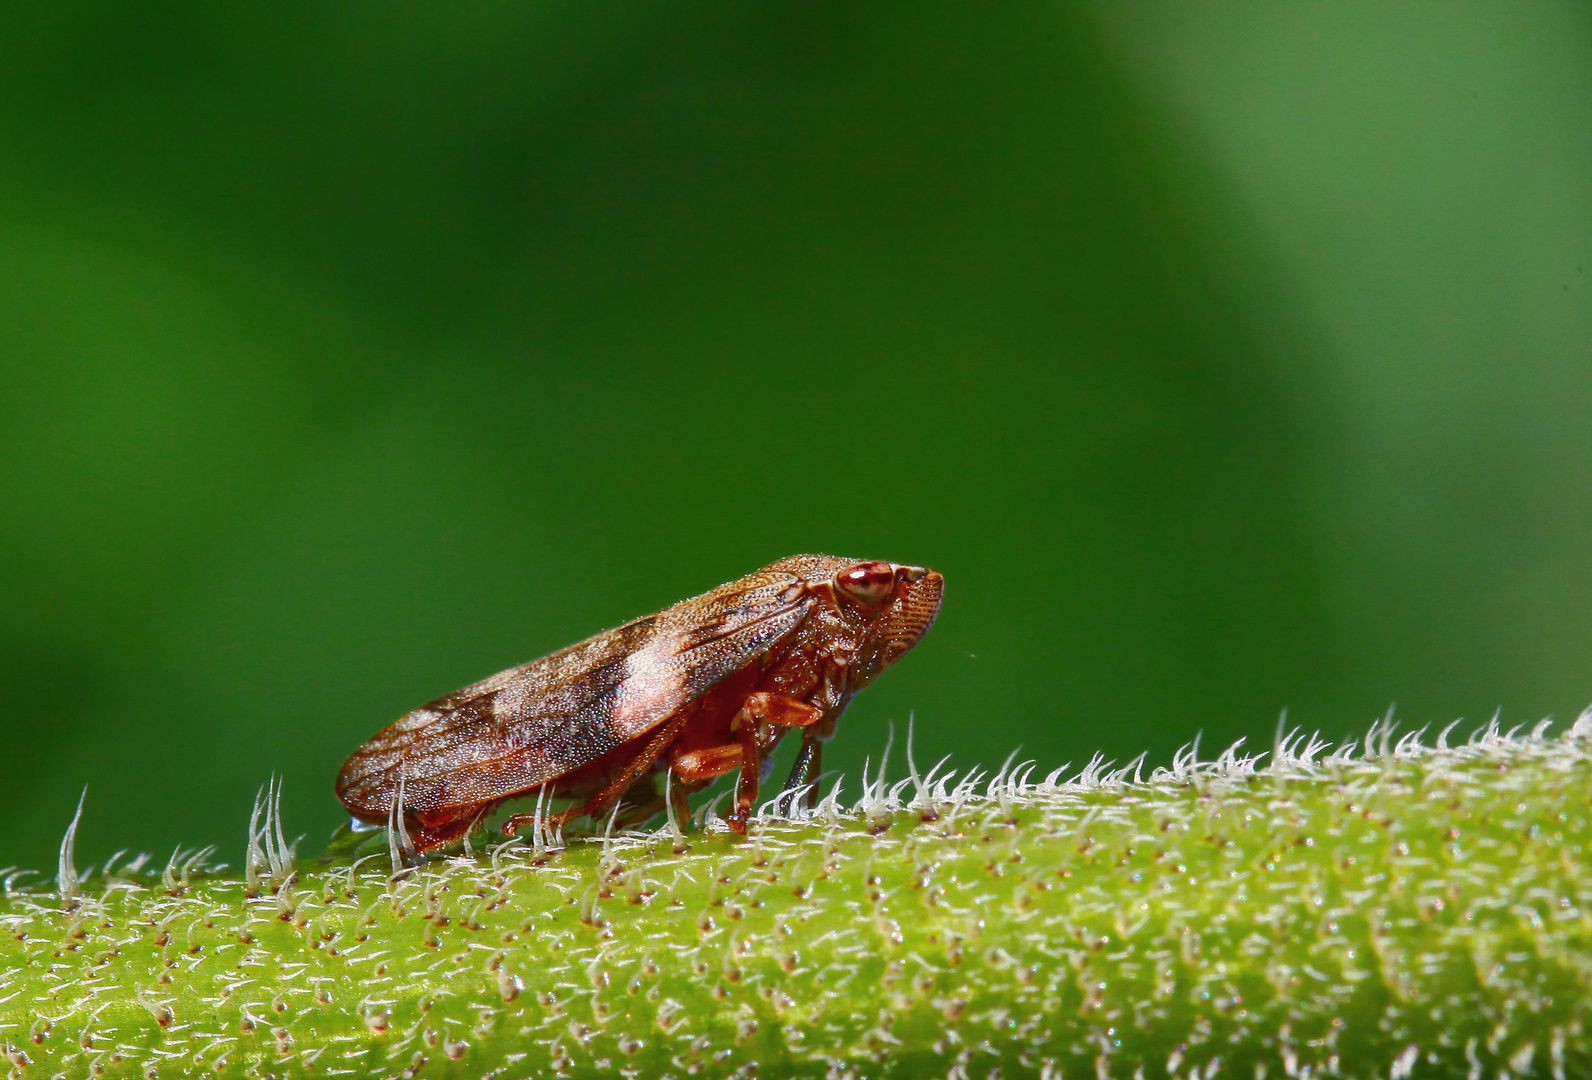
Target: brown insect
<point>706,686</point>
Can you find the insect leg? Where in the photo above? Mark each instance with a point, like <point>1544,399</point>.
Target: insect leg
<point>777,709</point>
<point>831,699</point>
<point>680,801</point>
<point>805,772</point>
<point>695,765</point>
<point>746,784</point>
<point>761,708</point>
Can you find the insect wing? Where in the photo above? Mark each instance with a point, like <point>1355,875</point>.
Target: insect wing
<point>530,724</point>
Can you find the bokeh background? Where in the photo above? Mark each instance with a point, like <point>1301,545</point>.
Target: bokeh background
<point>1227,358</point>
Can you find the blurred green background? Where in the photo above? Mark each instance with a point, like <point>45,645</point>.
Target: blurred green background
<point>1226,357</point>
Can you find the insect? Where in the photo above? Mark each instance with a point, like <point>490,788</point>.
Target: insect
<point>707,686</point>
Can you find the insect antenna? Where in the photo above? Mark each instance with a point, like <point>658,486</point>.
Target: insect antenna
<point>67,883</point>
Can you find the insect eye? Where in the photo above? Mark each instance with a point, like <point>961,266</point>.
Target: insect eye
<point>868,583</point>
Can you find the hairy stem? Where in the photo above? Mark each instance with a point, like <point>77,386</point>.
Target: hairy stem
<point>1398,911</point>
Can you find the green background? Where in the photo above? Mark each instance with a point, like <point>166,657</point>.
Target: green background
<point>1226,358</point>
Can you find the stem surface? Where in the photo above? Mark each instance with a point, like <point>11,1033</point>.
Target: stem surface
<point>1387,912</point>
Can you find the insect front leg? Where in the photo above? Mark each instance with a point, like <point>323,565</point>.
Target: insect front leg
<point>830,699</point>
<point>760,708</point>
<point>809,766</point>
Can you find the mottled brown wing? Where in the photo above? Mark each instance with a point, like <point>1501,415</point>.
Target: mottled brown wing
<point>529,724</point>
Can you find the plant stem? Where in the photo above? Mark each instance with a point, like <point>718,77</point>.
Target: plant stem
<point>1405,911</point>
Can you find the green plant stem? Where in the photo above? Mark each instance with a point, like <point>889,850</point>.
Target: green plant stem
<point>1407,912</point>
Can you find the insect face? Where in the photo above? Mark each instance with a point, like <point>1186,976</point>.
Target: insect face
<point>904,603</point>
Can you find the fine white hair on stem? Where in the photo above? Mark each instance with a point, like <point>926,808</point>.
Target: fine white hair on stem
<point>254,859</point>
<point>930,790</point>
<point>168,876</point>
<point>606,859</point>
<point>997,783</point>
<point>770,810</point>
<point>937,794</point>
<point>1295,753</point>
<point>399,846</point>
<point>539,825</point>
<point>674,826</point>
<point>707,816</point>
<point>923,791</point>
<point>875,801</point>
<point>829,805</point>
<point>67,883</point>
<point>105,871</point>
<point>268,861</point>
<point>277,849</point>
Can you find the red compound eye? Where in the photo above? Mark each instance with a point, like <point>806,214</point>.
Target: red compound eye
<point>868,583</point>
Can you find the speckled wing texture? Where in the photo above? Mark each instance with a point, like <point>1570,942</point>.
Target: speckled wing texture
<point>531,723</point>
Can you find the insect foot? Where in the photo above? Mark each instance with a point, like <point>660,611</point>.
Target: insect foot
<point>700,689</point>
